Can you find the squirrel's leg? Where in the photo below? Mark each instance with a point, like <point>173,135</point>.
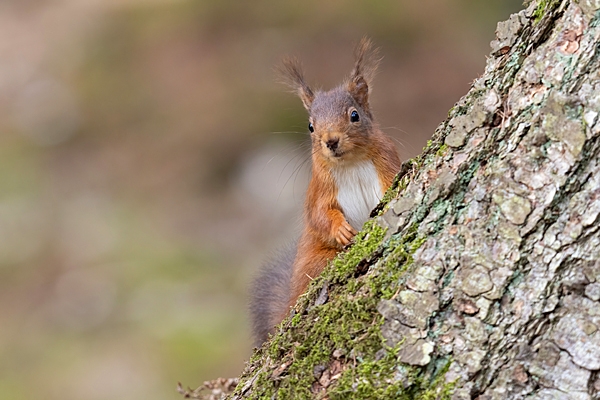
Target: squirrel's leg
<point>341,230</point>
<point>311,260</point>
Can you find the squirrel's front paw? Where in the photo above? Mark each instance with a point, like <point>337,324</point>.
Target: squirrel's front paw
<point>344,234</point>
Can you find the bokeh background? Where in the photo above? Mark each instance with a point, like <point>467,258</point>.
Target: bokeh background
<point>149,161</point>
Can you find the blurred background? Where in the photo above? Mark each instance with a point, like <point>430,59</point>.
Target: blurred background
<point>149,161</point>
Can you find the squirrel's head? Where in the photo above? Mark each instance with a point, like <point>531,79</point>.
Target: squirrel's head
<point>340,120</point>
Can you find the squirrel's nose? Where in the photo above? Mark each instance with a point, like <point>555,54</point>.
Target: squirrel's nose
<point>332,143</point>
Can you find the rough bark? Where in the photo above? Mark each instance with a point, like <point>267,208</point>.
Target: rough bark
<point>480,276</point>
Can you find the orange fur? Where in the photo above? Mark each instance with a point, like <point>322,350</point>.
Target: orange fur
<point>323,217</point>
<point>326,229</point>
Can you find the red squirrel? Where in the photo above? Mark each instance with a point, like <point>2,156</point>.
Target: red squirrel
<point>353,164</point>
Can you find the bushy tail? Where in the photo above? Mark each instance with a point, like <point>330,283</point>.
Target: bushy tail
<point>270,293</point>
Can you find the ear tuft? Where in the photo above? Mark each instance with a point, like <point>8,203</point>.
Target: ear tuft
<point>290,72</point>
<point>365,67</point>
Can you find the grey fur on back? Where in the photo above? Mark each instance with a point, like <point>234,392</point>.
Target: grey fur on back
<point>270,293</point>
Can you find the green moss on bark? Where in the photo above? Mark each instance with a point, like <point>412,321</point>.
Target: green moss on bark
<point>347,325</point>
<point>543,7</point>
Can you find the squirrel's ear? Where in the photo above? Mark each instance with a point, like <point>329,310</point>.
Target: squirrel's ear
<point>291,74</point>
<point>367,61</point>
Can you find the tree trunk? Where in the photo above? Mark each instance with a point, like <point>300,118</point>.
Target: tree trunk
<point>480,276</point>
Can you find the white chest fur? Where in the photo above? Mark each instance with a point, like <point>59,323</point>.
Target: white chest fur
<point>359,191</point>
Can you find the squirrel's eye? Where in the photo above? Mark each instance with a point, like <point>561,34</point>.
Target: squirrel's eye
<point>354,116</point>
<point>311,128</point>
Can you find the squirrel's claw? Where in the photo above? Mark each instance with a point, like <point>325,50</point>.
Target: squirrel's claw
<point>345,234</point>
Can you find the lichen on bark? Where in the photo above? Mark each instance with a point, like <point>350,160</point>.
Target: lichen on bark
<point>480,277</point>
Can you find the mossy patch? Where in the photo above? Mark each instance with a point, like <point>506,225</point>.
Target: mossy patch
<point>347,324</point>
<point>543,7</point>
<point>441,152</point>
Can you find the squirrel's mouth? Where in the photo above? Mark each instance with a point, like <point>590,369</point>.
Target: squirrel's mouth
<point>334,154</point>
